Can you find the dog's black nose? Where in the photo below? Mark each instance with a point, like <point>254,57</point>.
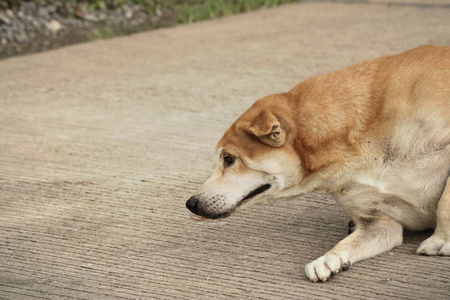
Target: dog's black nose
<point>191,204</point>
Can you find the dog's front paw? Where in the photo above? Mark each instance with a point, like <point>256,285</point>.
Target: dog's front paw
<point>434,245</point>
<point>325,266</point>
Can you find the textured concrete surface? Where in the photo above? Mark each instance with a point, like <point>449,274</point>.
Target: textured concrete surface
<point>420,3</point>
<point>102,143</point>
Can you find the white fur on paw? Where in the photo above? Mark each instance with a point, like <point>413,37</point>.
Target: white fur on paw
<point>434,245</point>
<point>323,267</point>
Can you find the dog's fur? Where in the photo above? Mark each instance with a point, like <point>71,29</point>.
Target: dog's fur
<point>375,135</point>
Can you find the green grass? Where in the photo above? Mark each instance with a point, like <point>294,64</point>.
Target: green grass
<point>186,11</point>
<point>210,9</point>
<point>175,11</point>
<point>100,34</point>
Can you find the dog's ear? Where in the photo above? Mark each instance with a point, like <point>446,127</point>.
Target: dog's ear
<point>267,128</point>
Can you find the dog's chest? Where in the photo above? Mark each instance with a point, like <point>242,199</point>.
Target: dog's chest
<point>417,179</point>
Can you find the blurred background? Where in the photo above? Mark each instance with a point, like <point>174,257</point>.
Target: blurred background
<point>30,26</point>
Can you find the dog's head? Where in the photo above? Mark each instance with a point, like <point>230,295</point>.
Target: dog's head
<point>255,159</point>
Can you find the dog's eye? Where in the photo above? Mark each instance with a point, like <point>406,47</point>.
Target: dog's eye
<point>228,160</point>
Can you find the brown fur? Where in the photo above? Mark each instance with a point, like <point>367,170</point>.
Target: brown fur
<point>376,135</point>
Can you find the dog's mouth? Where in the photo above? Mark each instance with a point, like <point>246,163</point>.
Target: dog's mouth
<point>249,196</point>
<point>254,193</point>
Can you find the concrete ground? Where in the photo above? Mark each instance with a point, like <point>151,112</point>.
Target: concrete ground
<point>102,143</point>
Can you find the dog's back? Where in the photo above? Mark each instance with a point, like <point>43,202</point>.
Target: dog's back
<point>376,135</point>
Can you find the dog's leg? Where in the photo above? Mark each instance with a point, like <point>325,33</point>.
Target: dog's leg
<point>372,236</point>
<point>439,242</point>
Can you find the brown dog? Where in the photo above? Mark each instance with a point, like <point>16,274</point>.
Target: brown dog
<point>375,135</point>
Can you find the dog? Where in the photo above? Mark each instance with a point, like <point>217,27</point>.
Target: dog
<point>375,135</point>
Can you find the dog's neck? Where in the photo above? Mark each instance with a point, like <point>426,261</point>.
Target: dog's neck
<point>325,149</point>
